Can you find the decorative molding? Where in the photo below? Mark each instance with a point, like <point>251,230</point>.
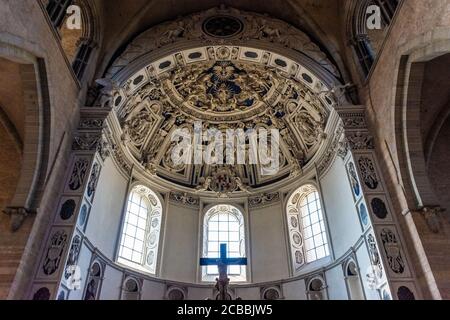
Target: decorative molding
<point>332,150</point>
<point>360,140</point>
<point>91,124</point>
<point>263,199</point>
<point>184,198</point>
<point>154,102</point>
<point>343,149</point>
<point>256,27</point>
<point>90,136</point>
<point>86,141</point>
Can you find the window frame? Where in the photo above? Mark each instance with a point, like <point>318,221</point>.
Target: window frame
<point>362,48</point>
<point>244,276</point>
<point>57,10</point>
<point>154,213</point>
<point>296,229</point>
<point>321,222</point>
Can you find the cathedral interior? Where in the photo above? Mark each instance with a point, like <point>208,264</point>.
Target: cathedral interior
<point>95,204</point>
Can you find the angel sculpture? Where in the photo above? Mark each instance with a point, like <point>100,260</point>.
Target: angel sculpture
<point>338,92</point>
<point>109,86</point>
<point>204,184</point>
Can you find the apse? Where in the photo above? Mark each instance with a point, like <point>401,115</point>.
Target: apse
<point>136,224</point>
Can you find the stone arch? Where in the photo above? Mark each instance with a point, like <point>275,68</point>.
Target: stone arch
<point>316,33</point>
<point>413,149</point>
<point>163,38</point>
<point>421,205</point>
<point>36,132</point>
<point>367,43</point>
<point>89,38</point>
<point>32,135</point>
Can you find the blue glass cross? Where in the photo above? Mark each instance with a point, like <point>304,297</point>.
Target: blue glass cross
<point>223,262</point>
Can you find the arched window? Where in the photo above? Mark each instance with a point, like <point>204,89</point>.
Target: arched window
<point>77,41</point>
<point>307,230</point>
<point>56,10</point>
<point>224,224</point>
<point>140,232</point>
<point>368,27</point>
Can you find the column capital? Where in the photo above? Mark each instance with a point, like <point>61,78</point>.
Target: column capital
<point>357,136</point>
<point>353,117</point>
<point>90,134</point>
<point>91,142</point>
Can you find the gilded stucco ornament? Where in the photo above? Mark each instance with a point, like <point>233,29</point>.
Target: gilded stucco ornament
<point>224,84</point>
<point>256,27</point>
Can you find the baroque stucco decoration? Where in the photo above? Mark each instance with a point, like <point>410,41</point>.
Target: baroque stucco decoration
<point>225,87</point>
<point>200,27</point>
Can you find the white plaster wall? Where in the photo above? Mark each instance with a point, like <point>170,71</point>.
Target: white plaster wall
<point>341,212</point>
<point>107,209</point>
<point>249,293</point>
<point>200,293</point>
<point>269,258</point>
<point>152,290</point>
<point>364,265</point>
<point>180,240</point>
<point>84,261</point>
<point>180,258</point>
<point>295,290</point>
<point>112,283</point>
<point>337,289</point>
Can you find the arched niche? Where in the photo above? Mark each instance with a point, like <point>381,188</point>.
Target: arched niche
<point>316,288</point>
<point>131,289</point>
<point>353,280</point>
<point>94,281</point>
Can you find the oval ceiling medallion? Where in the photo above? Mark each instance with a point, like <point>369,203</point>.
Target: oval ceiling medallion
<point>222,26</point>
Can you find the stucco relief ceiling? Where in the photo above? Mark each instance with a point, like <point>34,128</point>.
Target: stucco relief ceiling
<point>122,20</point>
<point>225,85</point>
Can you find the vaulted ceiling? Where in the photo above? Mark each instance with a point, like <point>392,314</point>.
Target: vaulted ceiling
<point>123,20</point>
<point>247,73</point>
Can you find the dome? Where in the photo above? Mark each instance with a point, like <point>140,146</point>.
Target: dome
<point>247,79</point>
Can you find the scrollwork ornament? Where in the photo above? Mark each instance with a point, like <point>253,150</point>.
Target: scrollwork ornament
<point>263,199</point>
<point>360,141</point>
<point>86,141</point>
<point>184,198</point>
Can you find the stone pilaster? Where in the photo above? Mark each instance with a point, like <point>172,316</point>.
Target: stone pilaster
<point>56,274</point>
<point>392,272</point>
